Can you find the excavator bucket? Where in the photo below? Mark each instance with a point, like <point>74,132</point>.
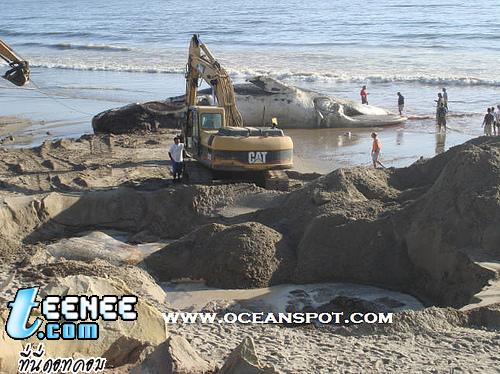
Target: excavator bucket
<point>18,75</point>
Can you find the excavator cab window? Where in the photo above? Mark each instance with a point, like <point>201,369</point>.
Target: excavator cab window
<point>211,121</point>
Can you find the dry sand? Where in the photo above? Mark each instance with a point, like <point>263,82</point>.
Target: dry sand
<point>443,349</point>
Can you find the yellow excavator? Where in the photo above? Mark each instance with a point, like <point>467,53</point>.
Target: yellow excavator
<point>19,72</point>
<point>215,134</point>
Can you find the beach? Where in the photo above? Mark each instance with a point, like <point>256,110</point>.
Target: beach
<point>67,100</point>
<point>413,244</point>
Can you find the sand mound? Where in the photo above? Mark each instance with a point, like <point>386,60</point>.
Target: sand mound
<point>137,279</point>
<point>485,316</point>
<point>149,326</point>
<point>455,221</point>
<point>165,213</point>
<point>248,255</point>
<point>421,226</point>
<point>173,356</point>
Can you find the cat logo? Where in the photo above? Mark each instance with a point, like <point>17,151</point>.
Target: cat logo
<point>257,157</point>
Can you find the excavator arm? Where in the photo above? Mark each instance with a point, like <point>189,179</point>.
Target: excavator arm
<point>19,72</point>
<point>202,64</point>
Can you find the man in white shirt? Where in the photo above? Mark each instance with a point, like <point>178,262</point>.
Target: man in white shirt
<point>176,154</point>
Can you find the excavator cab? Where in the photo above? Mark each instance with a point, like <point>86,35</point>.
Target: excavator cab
<point>202,122</point>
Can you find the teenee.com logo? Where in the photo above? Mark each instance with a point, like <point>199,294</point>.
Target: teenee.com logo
<point>64,314</point>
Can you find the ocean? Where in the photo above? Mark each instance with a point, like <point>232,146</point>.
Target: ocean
<point>88,56</point>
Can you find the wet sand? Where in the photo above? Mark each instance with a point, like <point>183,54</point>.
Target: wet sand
<point>189,295</point>
<point>324,150</point>
<point>315,150</point>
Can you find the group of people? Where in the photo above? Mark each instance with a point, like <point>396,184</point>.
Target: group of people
<point>491,124</point>
<point>491,121</point>
<point>441,106</point>
<point>441,109</point>
<point>441,112</point>
<point>364,99</point>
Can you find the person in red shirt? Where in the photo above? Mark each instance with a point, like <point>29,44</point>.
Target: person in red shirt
<point>376,147</point>
<point>364,95</point>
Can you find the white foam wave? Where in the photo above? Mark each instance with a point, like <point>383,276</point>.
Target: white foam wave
<point>428,80</point>
<point>105,67</point>
<point>247,72</point>
<point>90,47</point>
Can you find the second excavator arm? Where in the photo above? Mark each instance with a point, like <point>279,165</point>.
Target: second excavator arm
<point>201,64</point>
<point>19,72</point>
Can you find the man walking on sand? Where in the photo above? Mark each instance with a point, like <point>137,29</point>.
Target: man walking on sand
<point>176,154</point>
<point>376,147</point>
<point>488,123</point>
<point>401,103</point>
<point>364,95</point>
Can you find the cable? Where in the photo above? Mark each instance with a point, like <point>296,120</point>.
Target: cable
<point>39,89</point>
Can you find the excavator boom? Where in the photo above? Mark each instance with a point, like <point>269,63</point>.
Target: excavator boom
<point>202,64</point>
<point>19,72</point>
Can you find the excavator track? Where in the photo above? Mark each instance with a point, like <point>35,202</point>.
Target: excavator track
<point>276,180</point>
<point>196,173</point>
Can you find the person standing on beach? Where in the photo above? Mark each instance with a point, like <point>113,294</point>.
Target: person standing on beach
<point>439,102</point>
<point>445,98</point>
<point>376,148</point>
<point>488,123</point>
<point>176,154</point>
<point>364,95</point>
<point>495,124</point>
<point>401,103</point>
<point>497,117</point>
<point>441,117</point>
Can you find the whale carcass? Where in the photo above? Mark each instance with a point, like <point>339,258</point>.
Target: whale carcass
<point>259,100</point>
<point>265,97</point>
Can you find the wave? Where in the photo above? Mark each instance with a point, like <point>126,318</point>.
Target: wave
<point>115,68</point>
<point>90,47</point>
<point>295,44</point>
<point>92,88</point>
<point>427,80</point>
<point>245,73</point>
<point>83,47</point>
<point>71,34</point>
